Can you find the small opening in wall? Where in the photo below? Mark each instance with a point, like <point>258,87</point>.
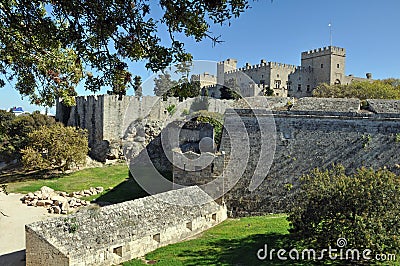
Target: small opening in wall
<point>322,65</point>
<point>118,251</point>
<point>214,216</point>
<point>189,226</point>
<point>156,237</point>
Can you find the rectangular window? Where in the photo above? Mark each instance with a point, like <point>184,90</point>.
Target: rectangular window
<point>189,226</point>
<point>338,66</point>
<point>277,84</point>
<point>308,87</point>
<point>214,216</point>
<point>288,85</point>
<point>299,87</point>
<point>157,237</point>
<point>118,251</point>
<point>322,65</point>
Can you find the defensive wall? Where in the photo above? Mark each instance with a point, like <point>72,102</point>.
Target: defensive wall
<point>106,117</point>
<point>314,133</point>
<point>116,233</point>
<point>310,133</point>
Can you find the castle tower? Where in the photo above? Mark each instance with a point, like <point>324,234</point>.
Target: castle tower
<point>223,67</point>
<point>327,65</point>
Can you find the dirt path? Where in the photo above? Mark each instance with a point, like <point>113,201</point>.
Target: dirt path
<point>13,217</point>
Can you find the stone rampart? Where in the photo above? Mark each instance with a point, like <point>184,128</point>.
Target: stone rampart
<point>309,140</point>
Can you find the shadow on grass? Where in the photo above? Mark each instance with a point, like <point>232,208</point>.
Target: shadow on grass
<point>244,252</point>
<point>19,175</point>
<point>127,190</point>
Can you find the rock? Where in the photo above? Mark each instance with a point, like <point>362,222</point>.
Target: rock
<point>45,196</point>
<point>48,202</point>
<point>32,203</point>
<point>87,192</point>
<point>38,196</point>
<point>46,190</point>
<point>64,194</point>
<point>30,195</point>
<point>40,203</point>
<point>140,139</point>
<point>99,189</point>
<point>56,209</point>
<point>64,212</point>
<point>57,200</point>
<point>65,206</point>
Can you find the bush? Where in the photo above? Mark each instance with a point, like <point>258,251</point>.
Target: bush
<point>377,89</point>
<point>55,146</point>
<point>215,119</point>
<point>14,131</point>
<point>363,208</point>
<point>171,109</point>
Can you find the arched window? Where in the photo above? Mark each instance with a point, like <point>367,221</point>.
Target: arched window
<point>337,82</point>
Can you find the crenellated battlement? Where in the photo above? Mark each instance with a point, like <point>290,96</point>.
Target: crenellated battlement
<point>264,64</point>
<point>281,65</point>
<point>323,51</point>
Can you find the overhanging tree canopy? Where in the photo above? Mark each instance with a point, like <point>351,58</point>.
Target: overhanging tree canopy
<point>48,47</point>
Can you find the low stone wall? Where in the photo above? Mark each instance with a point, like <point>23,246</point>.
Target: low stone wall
<point>117,233</point>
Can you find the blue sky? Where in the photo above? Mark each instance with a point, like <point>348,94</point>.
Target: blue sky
<point>281,30</point>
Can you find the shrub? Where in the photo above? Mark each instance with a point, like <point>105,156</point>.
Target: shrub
<point>171,109</point>
<point>377,89</point>
<point>55,146</point>
<point>363,208</point>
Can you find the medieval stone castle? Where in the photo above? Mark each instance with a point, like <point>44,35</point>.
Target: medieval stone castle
<point>323,65</point>
<point>285,138</point>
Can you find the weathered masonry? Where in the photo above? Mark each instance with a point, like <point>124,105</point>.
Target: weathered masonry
<point>314,133</point>
<point>117,233</point>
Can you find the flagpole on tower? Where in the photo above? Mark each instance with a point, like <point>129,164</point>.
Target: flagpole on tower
<point>330,33</point>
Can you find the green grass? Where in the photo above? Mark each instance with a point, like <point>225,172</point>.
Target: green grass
<point>115,177</point>
<point>233,242</point>
<point>108,176</point>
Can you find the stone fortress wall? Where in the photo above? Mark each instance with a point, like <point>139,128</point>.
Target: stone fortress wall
<point>116,233</point>
<point>315,133</point>
<point>310,133</point>
<point>106,117</point>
